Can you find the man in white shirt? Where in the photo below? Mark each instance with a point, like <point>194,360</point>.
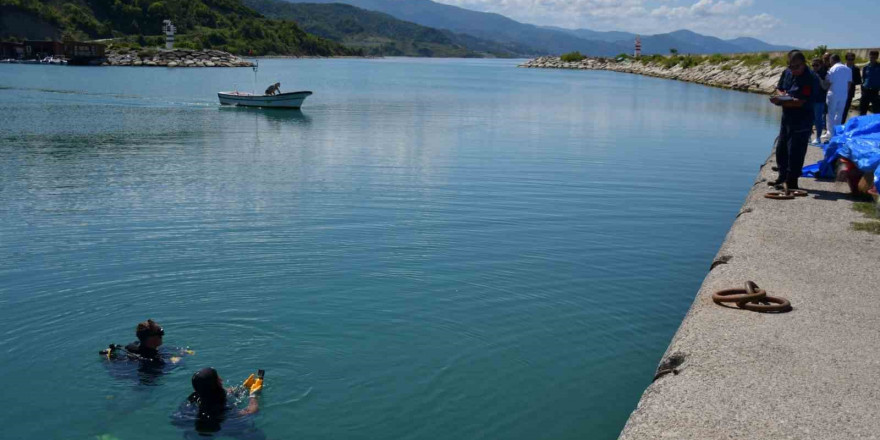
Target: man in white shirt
<point>840,78</point>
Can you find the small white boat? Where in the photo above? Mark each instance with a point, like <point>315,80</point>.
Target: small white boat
<point>281,100</point>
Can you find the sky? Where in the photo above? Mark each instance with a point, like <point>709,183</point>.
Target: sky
<point>801,23</point>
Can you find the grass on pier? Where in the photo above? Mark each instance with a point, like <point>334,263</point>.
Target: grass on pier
<point>869,209</point>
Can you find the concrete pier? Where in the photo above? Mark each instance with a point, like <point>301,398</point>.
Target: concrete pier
<point>813,373</point>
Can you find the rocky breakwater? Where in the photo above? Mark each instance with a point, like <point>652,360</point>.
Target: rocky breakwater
<point>732,74</point>
<point>174,58</point>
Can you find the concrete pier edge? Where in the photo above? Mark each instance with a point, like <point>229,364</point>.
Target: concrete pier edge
<point>808,374</point>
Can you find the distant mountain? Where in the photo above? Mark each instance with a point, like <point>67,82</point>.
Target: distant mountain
<point>588,34</point>
<point>684,41</point>
<point>376,33</point>
<point>484,25</point>
<point>548,39</point>
<point>755,45</point>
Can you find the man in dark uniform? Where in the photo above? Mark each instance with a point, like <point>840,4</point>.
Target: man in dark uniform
<point>794,95</point>
<point>870,85</point>
<point>149,336</point>
<point>857,81</point>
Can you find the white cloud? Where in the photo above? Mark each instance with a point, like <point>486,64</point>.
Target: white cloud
<point>723,18</point>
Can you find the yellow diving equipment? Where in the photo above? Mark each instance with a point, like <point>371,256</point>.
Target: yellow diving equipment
<point>254,383</point>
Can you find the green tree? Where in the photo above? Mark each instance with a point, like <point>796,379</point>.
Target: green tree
<point>673,51</point>
<point>572,57</point>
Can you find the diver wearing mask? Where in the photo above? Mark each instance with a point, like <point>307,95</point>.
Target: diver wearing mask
<point>149,335</point>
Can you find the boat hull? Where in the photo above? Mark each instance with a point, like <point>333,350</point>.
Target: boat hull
<point>281,100</point>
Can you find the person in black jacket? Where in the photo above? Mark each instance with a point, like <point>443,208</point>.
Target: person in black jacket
<point>870,85</point>
<point>857,81</point>
<point>795,95</point>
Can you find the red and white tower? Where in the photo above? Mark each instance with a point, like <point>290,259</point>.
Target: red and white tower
<point>638,46</point>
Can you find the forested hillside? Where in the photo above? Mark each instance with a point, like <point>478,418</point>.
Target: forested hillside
<point>201,24</point>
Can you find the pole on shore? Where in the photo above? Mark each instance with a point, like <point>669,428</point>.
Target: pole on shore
<point>256,67</point>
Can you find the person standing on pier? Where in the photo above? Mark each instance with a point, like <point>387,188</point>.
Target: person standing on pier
<point>820,92</point>
<point>795,95</point>
<point>870,85</point>
<point>856,81</point>
<point>840,78</point>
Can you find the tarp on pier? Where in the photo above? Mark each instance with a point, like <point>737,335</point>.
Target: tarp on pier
<point>858,141</point>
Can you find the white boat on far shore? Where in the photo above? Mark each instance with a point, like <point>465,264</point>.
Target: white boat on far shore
<point>281,100</point>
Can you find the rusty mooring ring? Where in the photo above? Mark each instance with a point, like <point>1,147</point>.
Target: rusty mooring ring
<point>738,296</point>
<point>798,193</point>
<point>778,305</point>
<point>752,287</point>
<point>779,196</point>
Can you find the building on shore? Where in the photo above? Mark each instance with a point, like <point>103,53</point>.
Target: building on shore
<point>75,52</point>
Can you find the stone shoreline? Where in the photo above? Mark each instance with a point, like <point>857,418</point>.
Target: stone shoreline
<point>807,374</point>
<point>174,58</point>
<point>733,74</point>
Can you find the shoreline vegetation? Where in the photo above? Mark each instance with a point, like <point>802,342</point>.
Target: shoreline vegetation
<point>202,25</point>
<point>753,73</point>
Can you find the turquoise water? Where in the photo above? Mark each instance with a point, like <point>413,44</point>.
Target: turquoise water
<point>430,249</point>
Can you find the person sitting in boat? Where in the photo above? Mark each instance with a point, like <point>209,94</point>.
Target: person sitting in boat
<point>273,89</point>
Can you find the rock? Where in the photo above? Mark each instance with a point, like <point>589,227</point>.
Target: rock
<point>175,58</point>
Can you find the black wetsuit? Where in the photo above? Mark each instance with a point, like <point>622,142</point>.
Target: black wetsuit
<point>144,353</point>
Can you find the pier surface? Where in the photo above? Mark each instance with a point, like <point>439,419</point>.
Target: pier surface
<point>808,374</point>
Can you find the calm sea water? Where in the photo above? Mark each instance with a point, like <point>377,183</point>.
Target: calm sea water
<point>431,249</point>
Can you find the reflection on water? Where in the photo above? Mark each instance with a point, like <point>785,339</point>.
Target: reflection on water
<point>429,249</point>
<point>270,114</point>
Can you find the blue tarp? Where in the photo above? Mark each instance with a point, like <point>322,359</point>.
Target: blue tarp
<point>858,141</point>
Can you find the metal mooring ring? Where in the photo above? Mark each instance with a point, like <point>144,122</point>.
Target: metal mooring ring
<point>779,196</point>
<point>778,305</point>
<point>798,193</point>
<point>752,286</point>
<point>738,296</point>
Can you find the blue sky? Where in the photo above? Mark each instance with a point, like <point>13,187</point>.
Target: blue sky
<point>802,23</point>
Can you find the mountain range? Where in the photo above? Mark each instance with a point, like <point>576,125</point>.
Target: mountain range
<point>377,33</point>
<point>549,40</point>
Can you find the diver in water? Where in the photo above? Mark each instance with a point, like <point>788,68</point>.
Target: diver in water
<point>145,352</point>
<point>149,336</point>
<point>210,404</point>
